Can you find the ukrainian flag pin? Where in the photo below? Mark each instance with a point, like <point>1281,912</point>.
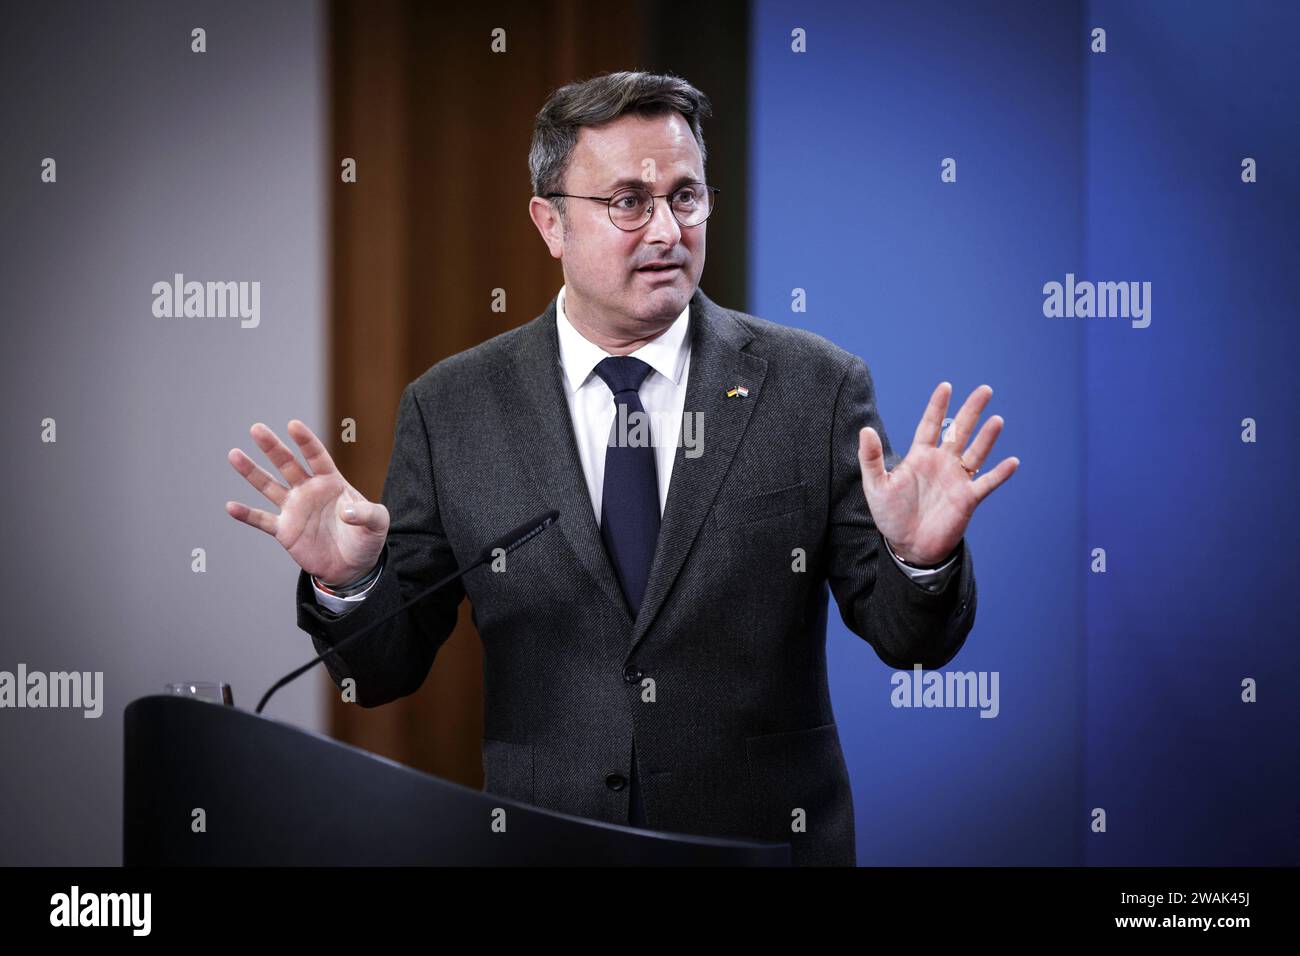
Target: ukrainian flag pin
<point>737,390</point>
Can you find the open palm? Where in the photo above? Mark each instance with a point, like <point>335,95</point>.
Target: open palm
<point>922,506</point>
<point>314,524</point>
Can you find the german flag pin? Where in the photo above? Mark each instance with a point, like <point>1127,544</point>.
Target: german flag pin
<point>737,390</point>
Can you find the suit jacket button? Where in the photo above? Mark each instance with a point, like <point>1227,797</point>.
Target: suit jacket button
<point>631,674</point>
<point>616,781</point>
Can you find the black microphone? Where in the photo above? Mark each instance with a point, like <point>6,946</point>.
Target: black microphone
<point>507,543</point>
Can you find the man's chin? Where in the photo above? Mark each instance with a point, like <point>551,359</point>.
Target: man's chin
<point>663,302</point>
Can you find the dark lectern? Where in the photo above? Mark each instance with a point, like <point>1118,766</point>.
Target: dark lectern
<point>275,795</point>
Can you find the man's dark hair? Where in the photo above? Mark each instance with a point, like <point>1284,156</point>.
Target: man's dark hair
<point>599,100</point>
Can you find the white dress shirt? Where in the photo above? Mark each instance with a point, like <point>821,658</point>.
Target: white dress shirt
<point>592,411</point>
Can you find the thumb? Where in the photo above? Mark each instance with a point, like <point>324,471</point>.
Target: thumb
<point>373,517</point>
<point>871,455</point>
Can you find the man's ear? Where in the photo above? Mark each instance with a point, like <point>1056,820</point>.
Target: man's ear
<point>548,223</point>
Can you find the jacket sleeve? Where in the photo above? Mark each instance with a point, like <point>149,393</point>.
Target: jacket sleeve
<point>393,660</point>
<point>903,621</point>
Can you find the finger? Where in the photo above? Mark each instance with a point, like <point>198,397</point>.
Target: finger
<point>970,413</point>
<point>279,454</point>
<point>871,455</point>
<point>370,514</point>
<point>258,477</point>
<point>313,449</point>
<point>979,449</point>
<point>927,432</point>
<point>984,486</point>
<point>259,519</point>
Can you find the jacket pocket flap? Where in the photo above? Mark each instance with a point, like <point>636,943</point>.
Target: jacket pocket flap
<point>800,776</point>
<point>762,504</point>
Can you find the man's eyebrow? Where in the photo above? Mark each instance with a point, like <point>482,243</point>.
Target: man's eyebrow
<point>632,181</point>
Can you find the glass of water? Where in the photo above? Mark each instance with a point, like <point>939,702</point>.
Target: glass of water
<point>215,691</point>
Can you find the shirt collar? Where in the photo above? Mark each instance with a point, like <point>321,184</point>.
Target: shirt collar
<point>666,353</point>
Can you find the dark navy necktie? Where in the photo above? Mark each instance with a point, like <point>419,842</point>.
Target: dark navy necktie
<point>629,504</point>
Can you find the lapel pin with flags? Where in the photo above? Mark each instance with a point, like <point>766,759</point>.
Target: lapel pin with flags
<point>737,390</point>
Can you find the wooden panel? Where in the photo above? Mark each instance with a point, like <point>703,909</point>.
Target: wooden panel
<point>440,128</point>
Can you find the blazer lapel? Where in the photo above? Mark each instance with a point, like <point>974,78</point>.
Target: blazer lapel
<point>546,439</point>
<point>546,430</point>
<point>717,363</point>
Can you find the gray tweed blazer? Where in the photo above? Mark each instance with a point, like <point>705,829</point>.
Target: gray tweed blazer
<point>721,678</point>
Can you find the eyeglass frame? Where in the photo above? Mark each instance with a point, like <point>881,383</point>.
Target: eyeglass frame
<point>650,212</point>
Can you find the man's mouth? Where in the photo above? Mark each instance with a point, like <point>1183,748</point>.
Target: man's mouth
<point>660,267</point>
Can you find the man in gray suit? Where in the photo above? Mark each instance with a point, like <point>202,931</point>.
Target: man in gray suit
<point>658,659</point>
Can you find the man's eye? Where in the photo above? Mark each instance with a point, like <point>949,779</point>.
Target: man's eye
<point>630,201</point>
<point>686,197</point>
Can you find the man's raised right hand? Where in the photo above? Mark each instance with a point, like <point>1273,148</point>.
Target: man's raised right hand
<point>325,524</point>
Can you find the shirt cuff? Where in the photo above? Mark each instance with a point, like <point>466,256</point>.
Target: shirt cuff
<point>932,579</point>
<point>341,605</point>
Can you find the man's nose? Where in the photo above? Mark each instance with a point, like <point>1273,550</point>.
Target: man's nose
<point>663,225</point>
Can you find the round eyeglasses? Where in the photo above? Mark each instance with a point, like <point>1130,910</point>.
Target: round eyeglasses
<point>633,207</point>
